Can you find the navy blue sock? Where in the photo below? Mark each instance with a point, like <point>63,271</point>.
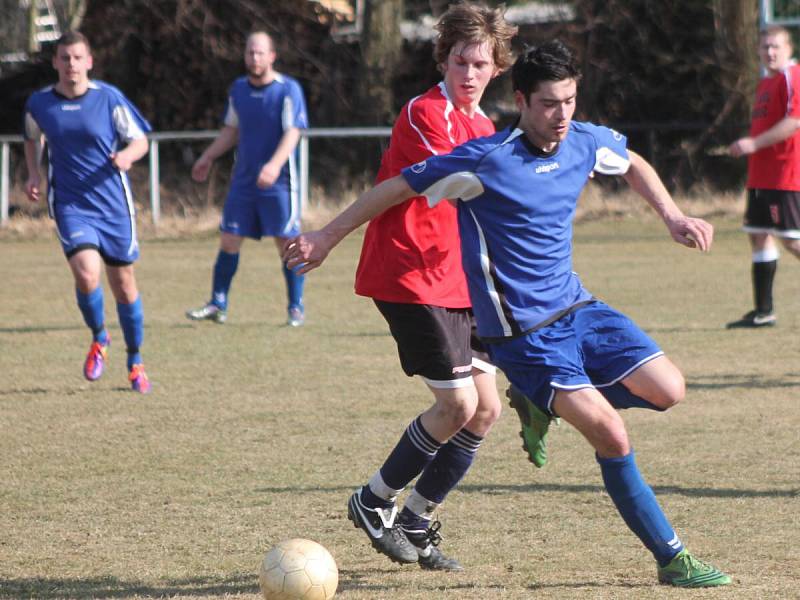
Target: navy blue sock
<point>443,473</point>
<point>91,306</point>
<point>449,466</point>
<point>294,287</point>
<point>639,508</point>
<point>621,397</point>
<point>131,320</point>
<point>224,270</point>
<point>410,456</point>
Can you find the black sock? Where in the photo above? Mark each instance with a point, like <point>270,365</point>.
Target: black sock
<point>763,276</point>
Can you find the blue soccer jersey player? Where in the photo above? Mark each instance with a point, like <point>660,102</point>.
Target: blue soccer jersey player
<point>265,113</point>
<point>569,353</point>
<point>94,134</point>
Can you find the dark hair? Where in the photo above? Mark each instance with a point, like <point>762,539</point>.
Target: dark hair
<point>551,61</point>
<point>475,24</point>
<point>69,38</point>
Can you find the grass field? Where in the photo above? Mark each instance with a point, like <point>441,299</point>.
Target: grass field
<point>256,432</point>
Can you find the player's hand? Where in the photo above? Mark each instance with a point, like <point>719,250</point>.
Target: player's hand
<point>201,168</point>
<point>267,176</point>
<point>305,252</point>
<point>742,147</point>
<point>32,189</point>
<point>692,233</point>
<point>121,161</point>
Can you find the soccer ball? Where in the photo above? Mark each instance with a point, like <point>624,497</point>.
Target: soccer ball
<point>298,570</point>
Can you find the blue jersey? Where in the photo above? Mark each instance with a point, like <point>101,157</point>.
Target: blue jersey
<point>515,212</point>
<point>81,134</point>
<point>263,114</point>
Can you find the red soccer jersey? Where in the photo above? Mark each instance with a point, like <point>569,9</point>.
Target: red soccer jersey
<point>411,253</point>
<point>776,167</point>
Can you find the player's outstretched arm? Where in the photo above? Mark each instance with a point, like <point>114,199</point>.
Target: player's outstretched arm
<point>688,231</point>
<point>783,129</point>
<point>228,137</point>
<point>308,251</point>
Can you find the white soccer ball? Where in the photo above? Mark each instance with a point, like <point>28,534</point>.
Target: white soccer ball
<point>298,570</point>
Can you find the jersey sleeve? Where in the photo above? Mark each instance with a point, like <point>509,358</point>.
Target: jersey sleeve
<point>611,153</point>
<point>294,108</point>
<point>449,176</point>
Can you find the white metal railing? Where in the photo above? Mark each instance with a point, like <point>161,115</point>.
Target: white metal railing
<point>170,136</point>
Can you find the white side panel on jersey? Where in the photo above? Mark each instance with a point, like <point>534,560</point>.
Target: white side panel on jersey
<point>463,185</point>
<point>125,125</point>
<point>487,276</point>
<point>294,195</point>
<point>419,133</point>
<point>231,116</point>
<point>51,192</point>
<point>608,162</point>
<point>287,116</point>
<point>126,187</point>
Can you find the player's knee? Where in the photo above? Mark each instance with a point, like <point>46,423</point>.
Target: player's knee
<point>613,443</point>
<point>457,407</point>
<point>671,392</point>
<point>487,413</point>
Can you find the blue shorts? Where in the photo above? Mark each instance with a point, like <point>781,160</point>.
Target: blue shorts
<point>593,346</point>
<point>275,214</point>
<point>115,238</point>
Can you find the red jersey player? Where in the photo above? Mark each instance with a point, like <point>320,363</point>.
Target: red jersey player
<point>411,266</point>
<point>773,181</point>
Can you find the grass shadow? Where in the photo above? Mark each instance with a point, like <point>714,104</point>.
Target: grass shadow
<point>111,587</point>
<point>497,488</point>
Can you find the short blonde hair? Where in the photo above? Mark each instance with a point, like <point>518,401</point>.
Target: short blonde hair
<point>473,23</point>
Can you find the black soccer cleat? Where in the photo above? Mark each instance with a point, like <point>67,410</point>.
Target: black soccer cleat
<point>384,534</point>
<point>754,320</point>
<point>426,542</point>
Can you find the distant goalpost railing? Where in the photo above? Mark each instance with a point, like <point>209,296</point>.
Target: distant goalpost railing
<point>779,12</point>
<point>157,138</point>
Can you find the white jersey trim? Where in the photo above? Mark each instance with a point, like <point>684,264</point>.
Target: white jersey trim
<point>463,185</point>
<point>608,162</point>
<point>125,125</point>
<point>484,366</point>
<point>449,384</point>
<point>631,370</point>
<point>231,116</point>
<point>419,133</point>
<point>488,280</point>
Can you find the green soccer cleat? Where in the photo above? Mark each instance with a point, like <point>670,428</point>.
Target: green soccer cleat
<point>686,571</point>
<point>535,424</point>
<point>209,312</point>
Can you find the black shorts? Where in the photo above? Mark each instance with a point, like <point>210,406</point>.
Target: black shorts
<point>776,212</point>
<point>439,344</point>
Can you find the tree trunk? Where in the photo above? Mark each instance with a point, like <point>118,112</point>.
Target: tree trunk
<point>381,46</point>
